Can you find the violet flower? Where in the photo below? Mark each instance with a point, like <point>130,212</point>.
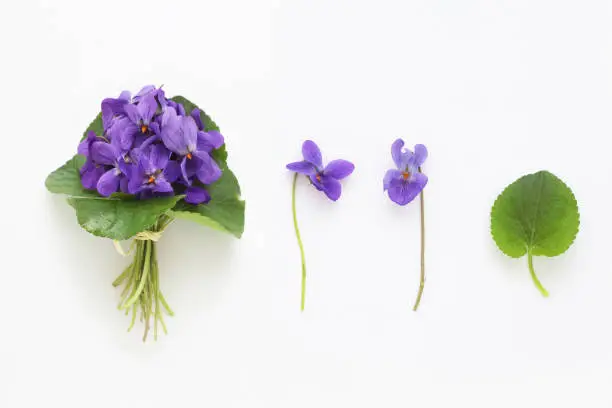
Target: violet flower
<point>404,184</point>
<point>153,171</point>
<point>180,135</point>
<point>90,172</point>
<point>111,156</point>
<point>140,124</point>
<point>207,140</point>
<point>323,178</point>
<point>114,108</point>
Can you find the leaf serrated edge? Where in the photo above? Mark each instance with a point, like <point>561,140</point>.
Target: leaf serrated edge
<point>574,201</point>
<point>492,216</point>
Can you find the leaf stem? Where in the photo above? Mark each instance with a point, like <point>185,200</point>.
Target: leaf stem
<point>422,282</point>
<point>536,281</point>
<point>299,240</point>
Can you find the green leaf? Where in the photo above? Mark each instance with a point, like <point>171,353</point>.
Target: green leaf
<point>537,215</point>
<point>223,215</point>
<point>96,126</point>
<point>224,212</point>
<point>226,187</point>
<point>67,179</point>
<point>117,218</point>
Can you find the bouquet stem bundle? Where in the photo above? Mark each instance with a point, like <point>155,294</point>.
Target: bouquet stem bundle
<point>141,293</point>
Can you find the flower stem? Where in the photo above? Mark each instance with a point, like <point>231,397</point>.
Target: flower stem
<point>299,240</point>
<point>143,278</point>
<point>535,279</point>
<point>141,291</point>
<point>422,283</point>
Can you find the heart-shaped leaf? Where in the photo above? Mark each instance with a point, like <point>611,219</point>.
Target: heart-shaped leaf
<point>537,215</point>
<point>119,219</point>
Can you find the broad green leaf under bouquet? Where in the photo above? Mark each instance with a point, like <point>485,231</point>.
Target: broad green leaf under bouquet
<point>537,215</point>
<point>142,162</point>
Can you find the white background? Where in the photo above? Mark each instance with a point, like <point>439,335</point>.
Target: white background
<point>495,89</point>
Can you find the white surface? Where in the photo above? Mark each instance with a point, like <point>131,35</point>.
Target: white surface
<point>496,89</point>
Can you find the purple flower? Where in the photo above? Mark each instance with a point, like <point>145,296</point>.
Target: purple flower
<point>115,161</point>
<point>196,195</point>
<point>151,91</point>
<point>406,182</point>
<point>207,141</point>
<point>180,109</point>
<point>153,171</point>
<point>86,143</point>
<point>91,171</point>
<point>180,135</point>
<point>114,108</point>
<point>323,178</point>
<point>139,124</point>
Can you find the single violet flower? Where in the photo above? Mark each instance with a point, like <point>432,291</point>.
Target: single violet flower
<point>180,135</point>
<point>113,108</point>
<point>404,184</point>
<point>153,171</point>
<point>152,91</point>
<point>116,162</point>
<point>323,178</point>
<point>140,124</point>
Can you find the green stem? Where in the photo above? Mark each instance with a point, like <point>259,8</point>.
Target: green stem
<point>155,280</point>
<point>299,240</point>
<point>143,278</point>
<point>141,294</point>
<point>121,278</point>
<point>133,318</point>
<point>165,304</point>
<point>422,283</point>
<point>536,281</point>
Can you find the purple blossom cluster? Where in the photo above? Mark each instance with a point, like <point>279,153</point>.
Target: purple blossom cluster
<point>150,147</point>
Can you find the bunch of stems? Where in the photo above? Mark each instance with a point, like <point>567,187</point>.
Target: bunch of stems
<point>141,293</point>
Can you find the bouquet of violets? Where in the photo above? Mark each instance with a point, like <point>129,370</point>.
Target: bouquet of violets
<point>143,162</point>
